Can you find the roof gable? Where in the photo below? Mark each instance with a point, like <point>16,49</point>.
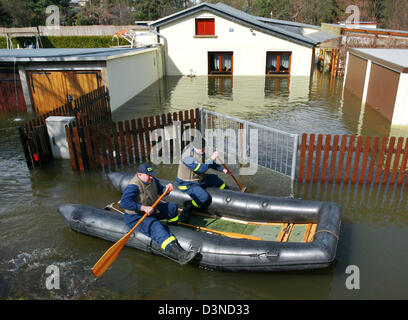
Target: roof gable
<point>230,13</point>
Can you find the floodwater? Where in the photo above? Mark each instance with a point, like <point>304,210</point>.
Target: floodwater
<point>373,235</point>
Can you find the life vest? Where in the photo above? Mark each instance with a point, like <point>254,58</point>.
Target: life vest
<point>148,193</point>
<point>185,173</point>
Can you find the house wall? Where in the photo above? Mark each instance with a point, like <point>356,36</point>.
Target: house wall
<point>187,54</point>
<point>399,126</point>
<point>400,116</point>
<point>356,71</point>
<point>381,88</point>
<point>11,92</point>
<point>130,74</point>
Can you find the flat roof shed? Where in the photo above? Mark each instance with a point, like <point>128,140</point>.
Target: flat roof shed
<point>48,76</point>
<point>380,78</point>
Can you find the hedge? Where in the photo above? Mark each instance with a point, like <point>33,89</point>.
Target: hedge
<point>67,41</point>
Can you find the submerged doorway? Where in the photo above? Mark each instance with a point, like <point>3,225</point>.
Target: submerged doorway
<point>50,89</point>
<point>220,62</point>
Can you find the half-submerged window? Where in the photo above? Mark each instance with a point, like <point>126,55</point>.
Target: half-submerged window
<point>220,62</point>
<point>278,62</point>
<point>205,27</point>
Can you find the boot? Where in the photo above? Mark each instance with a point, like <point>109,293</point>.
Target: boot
<point>177,253</point>
<point>188,208</point>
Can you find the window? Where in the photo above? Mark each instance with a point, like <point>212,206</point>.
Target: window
<point>205,27</point>
<point>278,62</point>
<point>220,62</point>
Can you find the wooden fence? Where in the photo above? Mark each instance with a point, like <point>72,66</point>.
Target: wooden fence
<point>91,108</point>
<point>115,145</point>
<point>352,159</point>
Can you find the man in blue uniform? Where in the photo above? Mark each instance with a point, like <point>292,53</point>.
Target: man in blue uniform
<point>192,177</point>
<point>137,199</point>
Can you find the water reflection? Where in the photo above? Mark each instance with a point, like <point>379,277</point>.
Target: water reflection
<point>277,86</point>
<point>316,104</point>
<point>220,87</point>
<point>373,204</point>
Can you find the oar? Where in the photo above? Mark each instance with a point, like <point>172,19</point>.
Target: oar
<point>107,259</point>
<point>227,234</point>
<point>241,187</point>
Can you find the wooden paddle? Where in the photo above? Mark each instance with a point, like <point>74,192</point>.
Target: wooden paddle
<point>227,234</point>
<point>241,187</point>
<point>112,253</point>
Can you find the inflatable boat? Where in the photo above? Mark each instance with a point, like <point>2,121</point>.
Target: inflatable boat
<point>238,231</point>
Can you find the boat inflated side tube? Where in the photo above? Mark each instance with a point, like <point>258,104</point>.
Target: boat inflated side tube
<point>240,205</point>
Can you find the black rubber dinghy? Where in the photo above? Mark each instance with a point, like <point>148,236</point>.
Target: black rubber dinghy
<point>290,234</point>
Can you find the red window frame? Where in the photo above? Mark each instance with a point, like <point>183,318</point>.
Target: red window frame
<point>205,27</point>
<point>211,55</point>
<point>278,54</point>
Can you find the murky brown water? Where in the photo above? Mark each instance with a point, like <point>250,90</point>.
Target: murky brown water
<point>33,236</point>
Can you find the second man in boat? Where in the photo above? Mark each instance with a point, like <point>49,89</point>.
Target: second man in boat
<point>192,177</point>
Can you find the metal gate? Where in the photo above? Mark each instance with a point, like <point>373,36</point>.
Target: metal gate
<point>250,142</point>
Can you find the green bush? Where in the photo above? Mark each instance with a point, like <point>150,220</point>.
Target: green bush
<point>67,41</point>
<point>3,43</point>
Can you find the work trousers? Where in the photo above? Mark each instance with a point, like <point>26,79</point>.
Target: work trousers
<point>197,191</point>
<point>151,225</point>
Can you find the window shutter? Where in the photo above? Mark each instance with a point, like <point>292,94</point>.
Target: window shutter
<point>205,27</point>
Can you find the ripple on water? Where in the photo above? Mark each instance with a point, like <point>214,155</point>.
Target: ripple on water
<point>27,275</point>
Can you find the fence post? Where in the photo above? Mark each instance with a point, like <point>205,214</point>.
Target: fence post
<point>23,138</point>
<point>294,157</point>
<point>201,122</point>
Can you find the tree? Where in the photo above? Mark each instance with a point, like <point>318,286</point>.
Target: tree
<point>5,17</point>
<point>29,13</point>
<point>329,11</point>
<point>147,10</point>
<point>155,9</point>
<point>276,9</point>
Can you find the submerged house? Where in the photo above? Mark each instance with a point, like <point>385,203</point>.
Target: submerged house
<point>206,39</point>
<point>216,39</point>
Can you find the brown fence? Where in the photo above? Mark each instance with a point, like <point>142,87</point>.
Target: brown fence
<point>352,159</point>
<point>91,108</point>
<point>115,145</point>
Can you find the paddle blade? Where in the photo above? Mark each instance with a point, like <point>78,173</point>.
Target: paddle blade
<point>107,259</point>
<point>110,255</point>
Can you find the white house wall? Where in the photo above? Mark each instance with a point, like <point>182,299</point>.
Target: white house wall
<point>186,54</point>
<point>400,116</point>
<point>130,74</point>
